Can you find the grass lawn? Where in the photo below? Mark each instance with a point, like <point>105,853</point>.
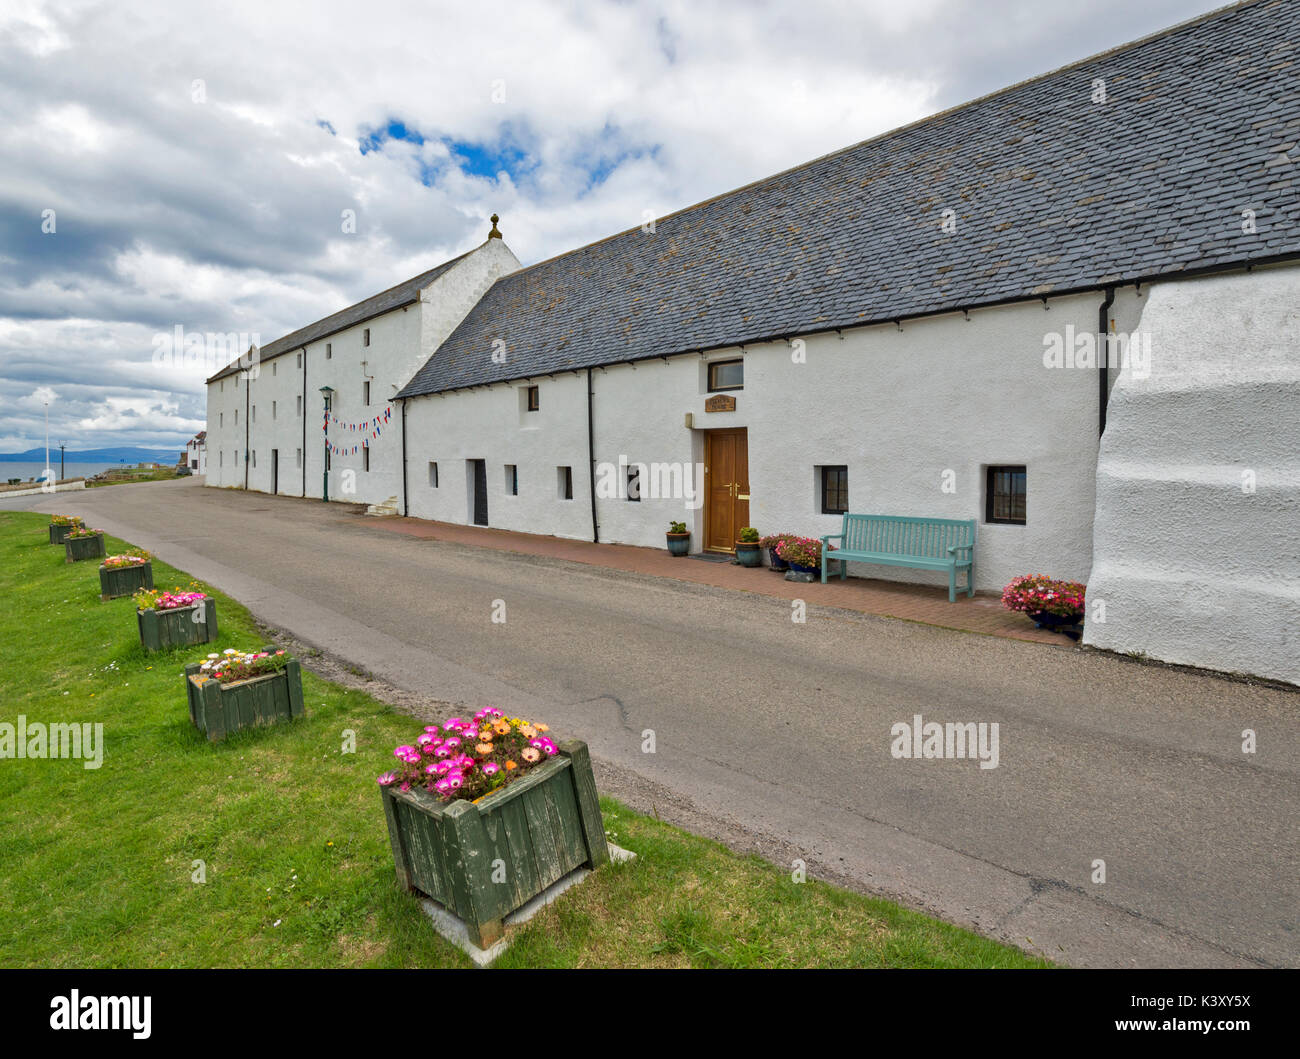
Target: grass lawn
<point>96,865</point>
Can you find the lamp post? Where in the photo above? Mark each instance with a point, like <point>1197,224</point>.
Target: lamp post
<point>327,392</point>
<point>62,445</point>
<point>48,473</point>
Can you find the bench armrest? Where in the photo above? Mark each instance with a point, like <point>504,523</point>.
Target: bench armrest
<point>832,537</point>
<point>960,548</point>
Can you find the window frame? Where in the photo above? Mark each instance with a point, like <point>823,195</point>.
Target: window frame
<point>533,400</point>
<point>991,494</point>
<point>825,470</point>
<point>714,364</point>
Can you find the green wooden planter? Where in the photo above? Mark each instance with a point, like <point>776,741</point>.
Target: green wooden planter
<point>219,709</point>
<point>161,630</point>
<point>77,549</point>
<point>115,582</point>
<point>482,861</point>
<point>58,531</point>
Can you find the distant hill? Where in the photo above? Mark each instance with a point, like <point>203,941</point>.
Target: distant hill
<point>121,455</point>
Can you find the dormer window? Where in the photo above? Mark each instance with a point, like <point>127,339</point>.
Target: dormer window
<point>726,375</point>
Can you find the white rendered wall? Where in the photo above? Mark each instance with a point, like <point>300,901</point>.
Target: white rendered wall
<point>1194,567</point>
<point>899,408</point>
<point>396,350</point>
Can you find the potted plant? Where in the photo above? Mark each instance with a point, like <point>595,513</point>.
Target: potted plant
<point>125,574</point>
<point>82,543</point>
<point>484,815</point>
<point>770,543</point>
<point>236,690</point>
<point>174,619</point>
<point>1050,604</point>
<point>804,555</point>
<point>749,551</point>
<point>61,526</point>
<point>679,541</point>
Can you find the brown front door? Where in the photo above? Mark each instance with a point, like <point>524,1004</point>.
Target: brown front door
<point>726,470</point>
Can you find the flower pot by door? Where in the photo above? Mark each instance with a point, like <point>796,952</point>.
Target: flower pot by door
<point>749,554</point>
<point>679,543</point>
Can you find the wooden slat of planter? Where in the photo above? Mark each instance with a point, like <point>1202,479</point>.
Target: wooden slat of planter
<point>401,860</point>
<point>494,824</point>
<point>562,807</point>
<point>584,785</point>
<point>545,841</point>
<point>423,840</point>
<point>294,671</point>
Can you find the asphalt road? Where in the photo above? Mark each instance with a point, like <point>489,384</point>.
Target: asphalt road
<point>775,736</point>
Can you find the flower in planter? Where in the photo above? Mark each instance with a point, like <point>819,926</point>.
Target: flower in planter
<point>749,535</point>
<point>135,557</point>
<point>65,520</point>
<point>1040,594</point>
<point>503,750</point>
<point>774,539</point>
<point>801,551</point>
<point>232,665</point>
<point>82,531</point>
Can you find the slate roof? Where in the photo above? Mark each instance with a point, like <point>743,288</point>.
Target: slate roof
<point>1053,192</point>
<point>376,305</point>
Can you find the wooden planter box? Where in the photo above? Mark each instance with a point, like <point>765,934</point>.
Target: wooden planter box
<point>118,581</point>
<point>58,532</point>
<point>538,830</point>
<point>219,709</point>
<point>161,630</point>
<point>76,549</point>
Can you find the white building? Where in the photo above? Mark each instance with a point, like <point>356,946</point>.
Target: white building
<point>910,326</point>
<point>196,453</point>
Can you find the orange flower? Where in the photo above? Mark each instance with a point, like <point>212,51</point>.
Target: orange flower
<point>527,731</point>
<point>502,727</point>
<point>511,766</point>
<point>542,727</point>
<point>530,754</point>
<point>484,748</point>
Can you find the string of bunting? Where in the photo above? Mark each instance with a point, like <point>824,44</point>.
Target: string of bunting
<point>369,429</point>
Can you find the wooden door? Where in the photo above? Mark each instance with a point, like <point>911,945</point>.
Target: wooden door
<point>726,470</point>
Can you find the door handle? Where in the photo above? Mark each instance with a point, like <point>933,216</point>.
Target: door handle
<point>742,496</point>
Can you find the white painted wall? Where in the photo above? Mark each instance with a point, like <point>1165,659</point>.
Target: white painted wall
<point>1193,568</point>
<point>342,360</point>
<point>897,407</point>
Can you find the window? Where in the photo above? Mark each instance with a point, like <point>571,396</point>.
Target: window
<point>223,385</point>
<point>255,457</point>
<point>299,360</point>
<point>835,490</point>
<point>273,409</point>
<point>1004,495</point>
<point>236,417</point>
<point>221,457</point>
<point>365,457</point>
<point>300,404</point>
<point>512,480</point>
<point>274,364</point>
<point>329,351</point>
<point>565,476</point>
<point>534,399</point>
<point>221,419</point>
<point>365,392</point>
<point>254,413</point>
<point>365,337</point>
<point>634,482</point>
<point>726,375</point>
<point>433,474</point>
<point>298,459</point>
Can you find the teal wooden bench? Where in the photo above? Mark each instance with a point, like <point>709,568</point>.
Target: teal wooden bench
<point>893,540</point>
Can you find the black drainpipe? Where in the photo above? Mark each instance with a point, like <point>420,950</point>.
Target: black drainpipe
<point>405,503</point>
<point>1103,359</point>
<point>248,384</point>
<point>591,462</point>
<point>304,422</point>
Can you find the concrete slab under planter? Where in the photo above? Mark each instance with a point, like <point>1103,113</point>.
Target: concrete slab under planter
<point>453,928</point>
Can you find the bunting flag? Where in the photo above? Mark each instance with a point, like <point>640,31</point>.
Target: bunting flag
<point>370,429</point>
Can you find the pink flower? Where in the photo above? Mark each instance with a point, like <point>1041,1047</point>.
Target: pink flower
<point>388,779</point>
<point>491,768</point>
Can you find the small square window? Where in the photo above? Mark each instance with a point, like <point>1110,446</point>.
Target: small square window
<point>1004,494</point>
<point>433,474</point>
<point>634,482</point>
<point>512,480</point>
<point>365,337</point>
<point>835,490</point>
<point>534,398</point>
<point>565,476</point>
<point>726,375</point>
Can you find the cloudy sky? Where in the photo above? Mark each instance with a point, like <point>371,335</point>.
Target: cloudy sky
<point>199,158</point>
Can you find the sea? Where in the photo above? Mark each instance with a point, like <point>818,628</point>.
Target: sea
<point>27,469</point>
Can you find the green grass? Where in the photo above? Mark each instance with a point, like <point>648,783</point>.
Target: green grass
<point>96,865</point>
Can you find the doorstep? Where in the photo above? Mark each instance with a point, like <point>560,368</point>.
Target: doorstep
<point>927,604</point>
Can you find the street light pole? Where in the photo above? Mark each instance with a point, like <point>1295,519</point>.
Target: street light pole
<point>327,392</point>
<point>62,445</point>
<point>48,472</point>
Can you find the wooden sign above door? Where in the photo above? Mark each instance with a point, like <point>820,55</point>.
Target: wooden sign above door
<point>720,402</point>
